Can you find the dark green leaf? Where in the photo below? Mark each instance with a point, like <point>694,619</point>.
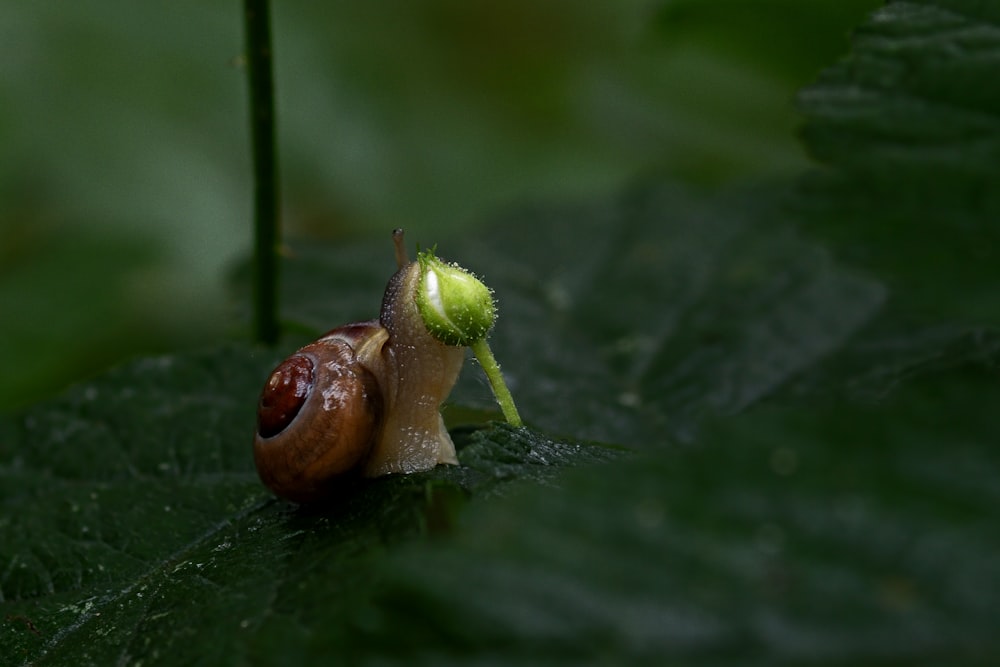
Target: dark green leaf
<point>132,516</point>
<point>840,534</point>
<point>157,525</point>
<point>660,307</point>
<point>909,125</point>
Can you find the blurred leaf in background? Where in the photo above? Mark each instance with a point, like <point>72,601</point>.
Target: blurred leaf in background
<point>912,139</point>
<point>123,174</point>
<point>124,135</point>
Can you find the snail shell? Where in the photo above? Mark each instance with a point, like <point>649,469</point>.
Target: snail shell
<point>320,412</point>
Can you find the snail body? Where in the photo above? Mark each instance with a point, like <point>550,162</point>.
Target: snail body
<point>362,400</point>
<point>420,372</point>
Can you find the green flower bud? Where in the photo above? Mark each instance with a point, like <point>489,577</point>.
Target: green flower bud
<point>456,307</point>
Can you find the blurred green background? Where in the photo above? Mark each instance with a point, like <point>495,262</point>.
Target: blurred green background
<point>124,173</point>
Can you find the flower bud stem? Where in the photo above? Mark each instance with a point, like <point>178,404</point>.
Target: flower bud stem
<point>492,369</point>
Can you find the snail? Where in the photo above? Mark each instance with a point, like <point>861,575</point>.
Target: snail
<point>364,399</point>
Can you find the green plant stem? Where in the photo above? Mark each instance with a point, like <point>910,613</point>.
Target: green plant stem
<point>257,22</point>
<point>492,369</point>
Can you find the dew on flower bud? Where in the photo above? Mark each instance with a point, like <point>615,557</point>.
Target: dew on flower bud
<point>456,307</point>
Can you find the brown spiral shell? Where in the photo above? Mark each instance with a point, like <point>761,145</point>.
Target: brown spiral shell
<point>320,413</point>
